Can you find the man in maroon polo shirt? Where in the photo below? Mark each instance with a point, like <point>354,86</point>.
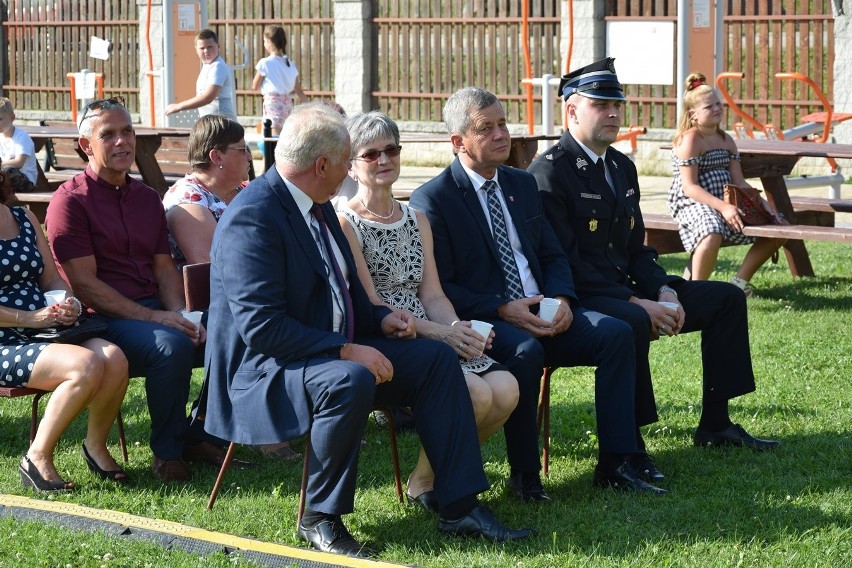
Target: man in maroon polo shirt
<point>109,237</point>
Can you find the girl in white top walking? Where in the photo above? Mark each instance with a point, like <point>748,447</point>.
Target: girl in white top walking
<point>277,78</point>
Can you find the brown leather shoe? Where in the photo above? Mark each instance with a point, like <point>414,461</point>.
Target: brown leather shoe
<point>169,470</point>
<point>211,454</point>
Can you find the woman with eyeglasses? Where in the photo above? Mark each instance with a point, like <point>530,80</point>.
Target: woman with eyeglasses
<point>220,162</point>
<point>392,245</point>
<point>91,375</point>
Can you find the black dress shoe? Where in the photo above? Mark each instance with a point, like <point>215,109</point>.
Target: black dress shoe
<point>733,435</point>
<point>645,468</point>
<point>331,535</point>
<point>527,487</point>
<point>481,522</point>
<point>427,500</point>
<point>624,478</point>
<point>211,454</point>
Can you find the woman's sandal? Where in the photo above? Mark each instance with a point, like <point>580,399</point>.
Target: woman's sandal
<point>31,477</point>
<point>118,475</point>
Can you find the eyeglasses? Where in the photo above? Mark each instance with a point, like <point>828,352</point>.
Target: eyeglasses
<point>102,104</point>
<point>244,149</point>
<point>373,155</point>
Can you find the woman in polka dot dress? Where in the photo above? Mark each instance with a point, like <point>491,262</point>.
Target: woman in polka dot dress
<point>92,375</point>
<point>704,159</point>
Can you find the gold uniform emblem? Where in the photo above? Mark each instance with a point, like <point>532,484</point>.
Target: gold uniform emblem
<point>632,222</point>
<point>593,225</point>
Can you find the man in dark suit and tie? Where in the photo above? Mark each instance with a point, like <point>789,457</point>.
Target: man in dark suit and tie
<point>497,259</point>
<point>294,343</point>
<point>591,197</point>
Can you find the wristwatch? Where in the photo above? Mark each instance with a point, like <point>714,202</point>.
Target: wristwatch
<point>666,288</point>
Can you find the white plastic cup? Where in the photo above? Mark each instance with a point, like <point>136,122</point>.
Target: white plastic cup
<point>547,309</point>
<point>672,306</point>
<point>483,328</point>
<point>193,317</point>
<point>53,297</point>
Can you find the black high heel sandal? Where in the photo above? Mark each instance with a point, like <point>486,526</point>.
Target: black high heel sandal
<point>96,469</point>
<point>31,477</point>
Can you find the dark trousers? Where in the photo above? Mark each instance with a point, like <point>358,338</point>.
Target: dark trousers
<point>426,377</point>
<point>716,309</point>
<point>165,356</point>
<point>593,339</point>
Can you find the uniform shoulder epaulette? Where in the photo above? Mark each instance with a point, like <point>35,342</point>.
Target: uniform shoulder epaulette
<point>555,153</point>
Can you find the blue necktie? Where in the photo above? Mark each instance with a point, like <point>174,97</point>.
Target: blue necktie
<point>341,292</point>
<point>514,288</point>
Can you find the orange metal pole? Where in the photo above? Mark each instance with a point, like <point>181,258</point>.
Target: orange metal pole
<point>525,40</point>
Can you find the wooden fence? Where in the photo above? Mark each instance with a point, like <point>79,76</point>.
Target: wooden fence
<point>424,50</point>
<point>763,37</point>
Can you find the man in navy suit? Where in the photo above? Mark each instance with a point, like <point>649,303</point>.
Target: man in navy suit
<point>294,343</point>
<point>497,259</point>
<point>591,197</point>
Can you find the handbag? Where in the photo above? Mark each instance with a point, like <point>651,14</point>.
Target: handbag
<point>82,330</point>
<point>748,201</point>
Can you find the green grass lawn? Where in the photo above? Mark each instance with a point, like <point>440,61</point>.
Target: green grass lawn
<point>728,507</point>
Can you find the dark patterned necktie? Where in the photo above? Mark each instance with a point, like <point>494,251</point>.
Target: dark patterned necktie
<point>514,288</point>
<point>341,292</point>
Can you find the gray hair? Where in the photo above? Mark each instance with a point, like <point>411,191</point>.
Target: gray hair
<point>312,130</point>
<point>462,103</point>
<point>365,127</point>
<point>85,124</point>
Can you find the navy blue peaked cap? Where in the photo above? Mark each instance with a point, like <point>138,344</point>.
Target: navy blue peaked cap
<point>596,81</point>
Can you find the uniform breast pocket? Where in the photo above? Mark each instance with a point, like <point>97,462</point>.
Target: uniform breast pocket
<point>592,221</point>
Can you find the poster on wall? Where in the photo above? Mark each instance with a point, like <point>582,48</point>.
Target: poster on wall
<point>643,51</point>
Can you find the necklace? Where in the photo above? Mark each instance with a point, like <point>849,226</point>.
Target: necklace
<point>373,213</point>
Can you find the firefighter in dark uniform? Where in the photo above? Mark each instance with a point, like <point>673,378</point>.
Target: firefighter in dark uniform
<point>591,198</point>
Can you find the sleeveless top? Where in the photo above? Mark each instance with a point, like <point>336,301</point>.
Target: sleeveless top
<point>394,255</point>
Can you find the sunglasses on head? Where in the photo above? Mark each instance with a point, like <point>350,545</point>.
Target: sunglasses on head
<point>102,104</point>
<point>373,155</point>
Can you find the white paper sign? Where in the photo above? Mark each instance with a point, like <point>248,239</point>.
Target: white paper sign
<point>643,51</point>
<point>99,48</point>
<point>84,84</point>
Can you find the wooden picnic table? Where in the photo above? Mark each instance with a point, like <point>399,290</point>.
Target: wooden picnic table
<point>771,160</point>
<point>148,141</point>
<point>521,155</point>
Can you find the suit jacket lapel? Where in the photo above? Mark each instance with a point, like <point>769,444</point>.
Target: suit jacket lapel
<point>473,204</point>
<point>584,169</point>
<point>294,218</point>
<point>512,196</point>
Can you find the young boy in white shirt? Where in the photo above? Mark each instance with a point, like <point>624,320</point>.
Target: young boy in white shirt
<point>16,146</point>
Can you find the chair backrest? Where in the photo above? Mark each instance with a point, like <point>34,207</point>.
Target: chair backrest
<point>196,286</point>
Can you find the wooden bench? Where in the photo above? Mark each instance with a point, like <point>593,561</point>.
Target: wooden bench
<point>661,232</point>
<point>818,210</point>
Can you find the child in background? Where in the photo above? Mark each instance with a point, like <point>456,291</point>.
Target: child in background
<point>704,159</point>
<point>16,146</point>
<point>277,77</point>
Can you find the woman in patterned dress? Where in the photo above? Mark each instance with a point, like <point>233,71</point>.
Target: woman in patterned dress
<point>92,375</point>
<point>392,245</point>
<point>220,162</point>
<point>704,159</point>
